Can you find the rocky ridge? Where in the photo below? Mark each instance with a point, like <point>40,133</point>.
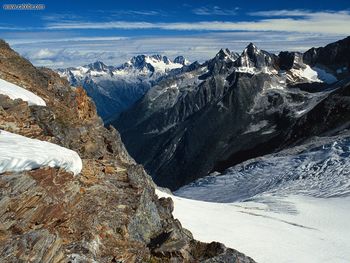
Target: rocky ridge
<point>109,212</point>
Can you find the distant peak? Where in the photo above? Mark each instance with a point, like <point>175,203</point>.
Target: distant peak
<point>97,65</point>
<point>141,59</point>
<point>224,53</point>
<point>157,57</point>
<point>98,62</point>
<point>253,57</point>
<point>181,60</point>
<point>251,45</point>
<point>251,49</point>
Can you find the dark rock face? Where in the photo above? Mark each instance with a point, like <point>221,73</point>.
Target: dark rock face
<point>230,109</point>
<point>335,57</point>
<point>328,117</point>
<point>108,213</point>
<point>122,95</point>
<point>181,60</point>
<point>253,57</point>
<point>286,60</point>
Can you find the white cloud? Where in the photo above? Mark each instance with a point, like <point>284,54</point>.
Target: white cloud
<point>43,54</point>
<point>135,12</point>
<point>195,47</point>
<point>335,23</point>
<point>296,13</point>
<point>65,39</point>
<point>215,10</point>
<point>61,16</point>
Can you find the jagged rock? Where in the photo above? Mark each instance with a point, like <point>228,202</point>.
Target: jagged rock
<point>254,57</point>
<point>334,57</point>
<point>107,213</point>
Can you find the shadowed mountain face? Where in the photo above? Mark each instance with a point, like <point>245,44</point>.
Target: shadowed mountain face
<point>232,108</point>
<point>334,57</point>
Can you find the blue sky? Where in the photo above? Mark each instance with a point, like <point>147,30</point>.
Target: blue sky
<point>71,33</point>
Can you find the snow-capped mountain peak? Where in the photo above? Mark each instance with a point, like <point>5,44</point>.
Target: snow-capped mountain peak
<point>97,66</point>
<point>225,54</point>
<point>153,63</point>
<point>253,57</point>
<point>251,48</point>
<point>114,89</point>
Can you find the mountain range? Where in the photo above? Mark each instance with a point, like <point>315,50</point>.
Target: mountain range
<point>184,121</point>
<point>115,88</point>
<point>205,118</point>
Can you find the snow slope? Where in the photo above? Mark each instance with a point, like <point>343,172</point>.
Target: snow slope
<point>304,229</point>
<point>291,206</point>
<point>19,153</point>
<point>16,92</point>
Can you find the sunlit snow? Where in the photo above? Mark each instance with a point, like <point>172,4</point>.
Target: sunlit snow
<point>292,206</point>
<point>15,92</point>
<point>304,229</point>
<point>19,153</point>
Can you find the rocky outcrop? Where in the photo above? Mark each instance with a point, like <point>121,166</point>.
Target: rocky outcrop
<point>334,57</point>
<point>107,213</point>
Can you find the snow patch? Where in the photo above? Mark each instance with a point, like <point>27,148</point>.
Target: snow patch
<point>161,66</point>
<point>306,73</point>
<point>256,127</point>
<point>15,92</point>
<point>254,70</point>
<point>19,153</point>
<point>325,76</point>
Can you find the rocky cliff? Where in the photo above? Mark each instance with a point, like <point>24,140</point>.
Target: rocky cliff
<point>107,213</point>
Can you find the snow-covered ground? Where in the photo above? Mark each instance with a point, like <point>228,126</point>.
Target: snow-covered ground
<point>304,229</point>
<point>19,153</point>
<point>292,206</point>
<point>16,92</point>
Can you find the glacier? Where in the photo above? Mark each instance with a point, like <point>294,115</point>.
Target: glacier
<point>320,168</point>
<point>290,206</point>
<point>304,229</point>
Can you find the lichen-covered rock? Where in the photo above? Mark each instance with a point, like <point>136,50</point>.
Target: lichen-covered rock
<point>109,213</point>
